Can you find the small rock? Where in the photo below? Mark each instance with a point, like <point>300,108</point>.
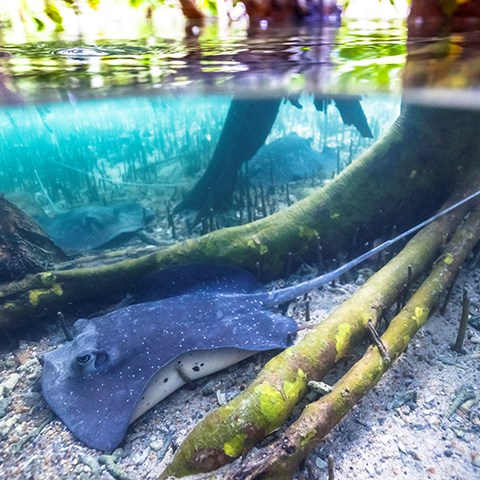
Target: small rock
<point>221,397</point>
<point>476,459</point>
<point>401,398</point>
<point>156,445</point>
<point>11,362</point>
<point>8,424</point>
<point>140,457</point>
<point>401,447</point>
<point>11,382</point>
<point>207,389</point>
<point>32,397</point>
<point>429,398</point>
<point>32,363</point>
<point>321,464</point>
<point>474,337</point>
<point>4,403</point>
<point>414,455</point>
<point>447,360</point>
<point>459,432</point>
<point>35,373</point>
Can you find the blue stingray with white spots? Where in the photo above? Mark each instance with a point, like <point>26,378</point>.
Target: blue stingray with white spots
<point>95,382</point>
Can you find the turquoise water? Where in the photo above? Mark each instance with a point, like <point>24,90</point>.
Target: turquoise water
<point>59,156</point>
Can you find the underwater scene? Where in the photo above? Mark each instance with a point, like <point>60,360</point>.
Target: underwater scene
<point>99,173</point>
<point>237,246</point>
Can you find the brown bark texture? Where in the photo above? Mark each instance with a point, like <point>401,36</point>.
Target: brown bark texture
<point>24,247</point>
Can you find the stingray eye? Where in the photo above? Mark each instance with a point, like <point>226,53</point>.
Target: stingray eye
<point>84,359</point>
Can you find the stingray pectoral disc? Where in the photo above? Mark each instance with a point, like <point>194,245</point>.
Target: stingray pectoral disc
<point>104,378</point>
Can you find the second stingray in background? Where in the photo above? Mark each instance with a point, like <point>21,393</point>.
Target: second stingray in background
<point>96,226</point>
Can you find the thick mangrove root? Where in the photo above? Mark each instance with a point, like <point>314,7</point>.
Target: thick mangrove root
<point>281,459</point>
<point>24,247</point>
<point>248,120</point>
<point>231,430</point>
<point>415,155</point>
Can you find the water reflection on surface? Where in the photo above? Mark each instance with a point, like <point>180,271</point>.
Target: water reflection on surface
<point>205,58</point>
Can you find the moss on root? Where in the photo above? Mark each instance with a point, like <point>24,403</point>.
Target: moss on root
<point>265,404</point>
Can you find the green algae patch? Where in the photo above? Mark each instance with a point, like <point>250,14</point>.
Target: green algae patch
<point>342,340</point>
<point>57,289</point>
<point>271,403</point>
<point>234,447</point>
<point>34,295</point>
<point>293,390</point>
<point>420,315</point>
<point>307,232</point>
<point>263,249</point>
<point>47,279</point>
<point>448,259</point>
<point>255,243</point>
<point>307,438</point>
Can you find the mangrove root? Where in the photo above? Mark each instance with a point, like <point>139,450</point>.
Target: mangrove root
<point>281,459</point>
<point>231,430</point>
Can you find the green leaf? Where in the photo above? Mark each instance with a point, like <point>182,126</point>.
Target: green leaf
<point>52,13</point>
<point>136,3</point>
<point>212,6</point>
<point>39,23</point>
<point>93,4</point>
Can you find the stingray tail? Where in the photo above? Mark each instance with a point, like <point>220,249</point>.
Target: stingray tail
<point>286,294</point>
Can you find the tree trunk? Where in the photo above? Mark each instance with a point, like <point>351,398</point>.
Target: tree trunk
<point>191,11</point>
<point>24,247</point>
<point>252,120</point>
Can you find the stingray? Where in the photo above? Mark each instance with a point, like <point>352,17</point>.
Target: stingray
<point>290,158</point>
<point>92,227</point>
<point>121,364</point>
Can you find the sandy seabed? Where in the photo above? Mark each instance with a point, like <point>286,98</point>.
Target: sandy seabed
<point>402,428</point>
